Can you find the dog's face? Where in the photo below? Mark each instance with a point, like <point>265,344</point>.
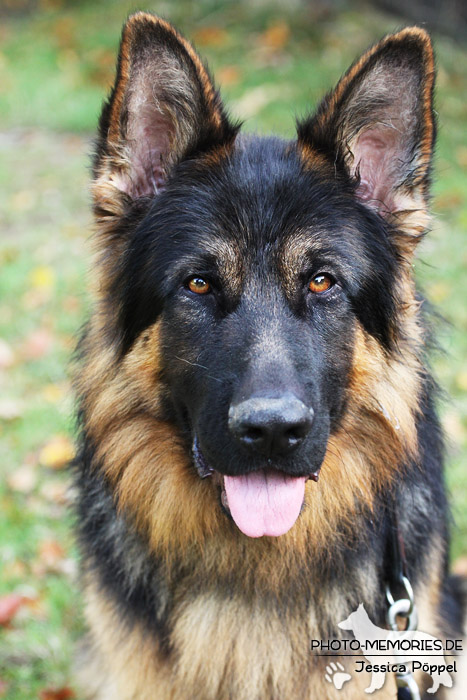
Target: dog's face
<point>258,287</point>
<point>260,259</point>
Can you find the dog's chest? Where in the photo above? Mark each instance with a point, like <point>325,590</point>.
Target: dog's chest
<point>252,651</point>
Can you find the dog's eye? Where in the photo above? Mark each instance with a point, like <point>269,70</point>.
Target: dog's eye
<point>198,285</point>
<point>320,283</point>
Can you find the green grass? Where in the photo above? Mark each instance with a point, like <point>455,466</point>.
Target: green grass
<point>56,66</point>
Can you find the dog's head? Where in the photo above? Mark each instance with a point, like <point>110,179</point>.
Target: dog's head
<point>265,283</point>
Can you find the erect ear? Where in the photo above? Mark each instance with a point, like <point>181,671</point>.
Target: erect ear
<point>378,124</point>
<point>162,108</point>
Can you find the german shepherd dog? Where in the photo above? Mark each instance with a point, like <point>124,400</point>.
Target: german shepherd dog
<point>255,326</point>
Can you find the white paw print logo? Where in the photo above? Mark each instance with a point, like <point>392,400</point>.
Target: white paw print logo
<point>335,674</point>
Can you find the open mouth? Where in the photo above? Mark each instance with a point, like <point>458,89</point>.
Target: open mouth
<point>263,502</point>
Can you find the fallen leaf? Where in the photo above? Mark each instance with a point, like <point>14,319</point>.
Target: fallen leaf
<point>229,75</point>
<point>9,606</point>
<point>276,36</point>
<point>56,694</point>
<point>42,277</point>
<point>65,30</point>
<point>7,357</point>
<point>57,452</point>
<point>210,36</point>
<point>51,553</point>
<point>62,566</point>
<point>37,607</point>
<point>8,254</point>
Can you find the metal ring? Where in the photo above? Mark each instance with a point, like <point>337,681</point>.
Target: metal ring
<point>408,590</point>
<point>400,608</point>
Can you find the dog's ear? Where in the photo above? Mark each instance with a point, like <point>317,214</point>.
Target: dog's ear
<point>163,107</point>
<point>379,125</point>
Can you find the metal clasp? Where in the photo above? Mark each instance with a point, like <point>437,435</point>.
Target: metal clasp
<point>403,607</point>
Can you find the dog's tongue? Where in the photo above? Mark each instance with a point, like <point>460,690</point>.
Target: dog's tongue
<point>264,502</point>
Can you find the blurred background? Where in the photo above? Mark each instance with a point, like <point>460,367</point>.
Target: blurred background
<point>57,62</point>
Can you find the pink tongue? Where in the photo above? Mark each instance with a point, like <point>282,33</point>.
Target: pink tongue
<point>264,502</point>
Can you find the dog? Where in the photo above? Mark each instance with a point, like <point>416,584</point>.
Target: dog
<point>255,328</point>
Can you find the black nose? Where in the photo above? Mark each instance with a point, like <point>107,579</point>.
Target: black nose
<point>270,426</point>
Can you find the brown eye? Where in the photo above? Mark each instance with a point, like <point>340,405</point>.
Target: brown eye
<point>198,285</point>
<point>320,283</point>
